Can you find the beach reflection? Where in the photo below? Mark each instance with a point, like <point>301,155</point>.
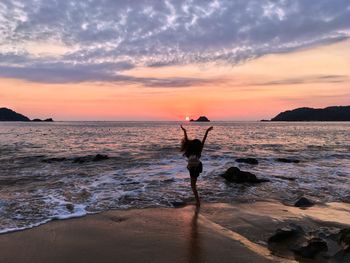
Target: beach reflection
<point>194,247</point>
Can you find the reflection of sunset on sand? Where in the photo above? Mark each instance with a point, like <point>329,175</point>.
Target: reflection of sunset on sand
<point>194,248</point>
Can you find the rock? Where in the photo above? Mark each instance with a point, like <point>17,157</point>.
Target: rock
<point>178,204</point>
<point>81,159</point>
<point>247,160</point>
<point>10,115</point>
<point>303,202</point>
<point>46,120</point>
<point>70,207</point>
<point>314,246</point>
<point>285,160</point>
<point>282,234</point>
<point>201,119</point>
<point>344,238</point>
<point>342,256</point>
<point>235,175</point>
<point>100,157</point>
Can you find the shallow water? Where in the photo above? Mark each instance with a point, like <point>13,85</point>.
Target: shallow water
<point>146,169</point>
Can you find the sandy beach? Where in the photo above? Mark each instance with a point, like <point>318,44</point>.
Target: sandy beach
<point>216,233</point>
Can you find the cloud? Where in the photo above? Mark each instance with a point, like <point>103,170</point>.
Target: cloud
<point>305,80</point>
<point>57,74</point>
<point>89,35</point>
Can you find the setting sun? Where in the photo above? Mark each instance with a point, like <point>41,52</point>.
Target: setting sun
<point>187,118</point>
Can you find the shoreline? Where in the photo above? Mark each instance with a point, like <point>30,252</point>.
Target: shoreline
<point>217,232</point>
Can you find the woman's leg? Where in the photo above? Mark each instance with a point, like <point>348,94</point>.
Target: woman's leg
<point>194,189</point>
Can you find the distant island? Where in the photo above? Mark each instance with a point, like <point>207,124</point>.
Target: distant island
<point>10,115</point>
<point>45,120</point>
<point>201,119</point>
<point>333,113</point>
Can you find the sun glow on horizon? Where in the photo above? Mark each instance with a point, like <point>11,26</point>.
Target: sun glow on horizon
<point>258,89</point>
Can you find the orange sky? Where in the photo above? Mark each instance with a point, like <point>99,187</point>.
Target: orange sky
<point>261,88</point>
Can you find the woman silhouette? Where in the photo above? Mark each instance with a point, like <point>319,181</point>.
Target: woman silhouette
<point>192,149</point>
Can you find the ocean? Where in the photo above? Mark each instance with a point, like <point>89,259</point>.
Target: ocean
<point>50,170</point>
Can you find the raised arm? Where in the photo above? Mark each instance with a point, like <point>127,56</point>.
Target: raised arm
<point>206,135</point>
<point>185,132</point>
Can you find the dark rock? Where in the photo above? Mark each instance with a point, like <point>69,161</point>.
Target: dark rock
<point>81,159</point>
<point>201,119</point>
<point>178,204</point>
<point>46,120</point>
<point>70,207</point>
<point>314,246</point>
<point>342,256</point>
<point>335,113</point>
<point>344,237</point>
<point>285,233</point>
<point>247,160</point>
<point>285,160</point>
<point>100,157</point>
<point>10,115</point>
<point>235,175</point>
<point>303,202</point>
<point>53,160</point>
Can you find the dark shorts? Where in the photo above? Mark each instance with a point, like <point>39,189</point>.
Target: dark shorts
<point>196,171</point>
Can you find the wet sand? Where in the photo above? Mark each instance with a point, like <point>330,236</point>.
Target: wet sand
<point>215,233</point>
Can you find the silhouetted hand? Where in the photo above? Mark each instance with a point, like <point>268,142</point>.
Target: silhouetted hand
<point>182,128</point>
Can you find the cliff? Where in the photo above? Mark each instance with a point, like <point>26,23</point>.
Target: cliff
<point>334,113</point>
<point>10,115</point>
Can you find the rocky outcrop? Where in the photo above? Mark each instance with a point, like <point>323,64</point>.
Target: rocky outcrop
<point>40,120</point>
<point>303,202</point>
<point>313,247</point>
<point>201,119</point>
<point>322,244</point>
<point>235,175</point>
<point>285,233</point>
<point>10,115</point>
<point>334,113</point>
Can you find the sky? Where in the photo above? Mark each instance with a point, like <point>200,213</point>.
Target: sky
<point>165,60</point>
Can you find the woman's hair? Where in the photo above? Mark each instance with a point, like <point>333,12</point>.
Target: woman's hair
<point>191,147</point>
